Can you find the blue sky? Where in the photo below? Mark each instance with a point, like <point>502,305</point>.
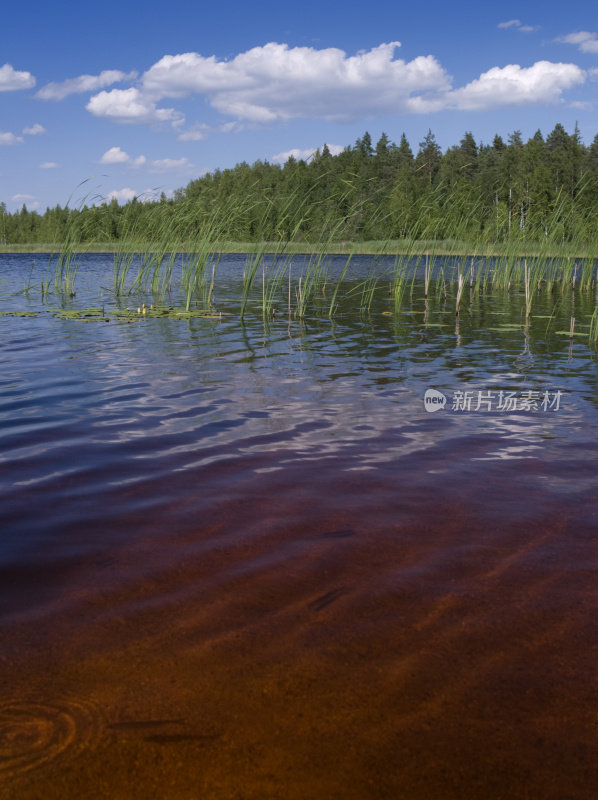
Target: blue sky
<point>135,98</point>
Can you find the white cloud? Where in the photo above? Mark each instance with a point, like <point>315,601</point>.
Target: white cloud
<point>581,105</point>
<point>276,82</point>
<point>27,199</point>
<point>83,83</point>
<point>232,127</point>
<point>12,80</point>
<point>586,41</point>
<point>169,164</point>
<point>195,133</point>
<point>34,130</point>
<point>8,139</point>
<point>115,156</point>
<point>542,83</point>
<point>281,158</point>
<point>516,23</point>
<point>121,195</point>
<point>130,106</point>
<point>125,195</point>
<point>49,165</point>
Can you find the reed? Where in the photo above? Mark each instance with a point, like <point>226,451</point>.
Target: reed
<point>252,264</point>
<point>313,280</point>
<point>62,268</point>
<point>333,300</point>
<point>443,247</point>
<point>272,283</point>
<point>460,285</point>
<point>399,284</point>
<point>368,290</point>
<point>309,282</point>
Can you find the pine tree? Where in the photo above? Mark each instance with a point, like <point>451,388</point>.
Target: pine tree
<point>383,146</point>
<point>469,152</point>
<point>428,157</point>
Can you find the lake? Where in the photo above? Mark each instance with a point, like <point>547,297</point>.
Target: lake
<point>348,556</point>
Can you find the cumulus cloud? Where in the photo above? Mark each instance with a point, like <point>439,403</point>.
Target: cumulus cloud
<point>7,139</point>
<point>12,80</point>
<point>34,130</point>
<point>49,165</point>
<point>543,82</point>
<point>117,156</point>
<point>130,106</point>
<point>513,85</point>
<point>126,195</point>
<point>586,41</point>
<point>27,199</point>
<point>295,152</point>
<point>83,83</point>
<point>121,195</point>
<point>277,82</point>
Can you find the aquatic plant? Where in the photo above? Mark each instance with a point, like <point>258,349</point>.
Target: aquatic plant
<point>178,249</point>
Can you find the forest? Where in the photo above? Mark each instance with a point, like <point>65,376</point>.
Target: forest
<point>543,189</point>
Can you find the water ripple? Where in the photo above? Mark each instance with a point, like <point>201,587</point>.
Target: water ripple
<point>35,734</point>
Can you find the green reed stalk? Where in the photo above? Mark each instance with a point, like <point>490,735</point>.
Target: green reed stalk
<point>65,267</point>
<point>333,306</point>
<point>369,287</point>
<point>272,285</point>
<point>252,264</point>
<point>399,283</point>
<point>460,285</point>
<point>528,301</point>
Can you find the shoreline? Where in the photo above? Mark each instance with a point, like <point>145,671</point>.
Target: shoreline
<point>375,248</point>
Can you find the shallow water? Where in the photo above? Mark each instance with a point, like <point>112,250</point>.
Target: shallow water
<point>243,560</point>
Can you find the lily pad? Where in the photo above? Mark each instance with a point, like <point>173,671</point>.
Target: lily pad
<point>503,328</point>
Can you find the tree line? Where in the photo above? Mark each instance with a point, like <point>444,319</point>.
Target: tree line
<point>507,190</point>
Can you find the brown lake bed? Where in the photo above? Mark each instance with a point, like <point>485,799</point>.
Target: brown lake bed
<point>243,561</point>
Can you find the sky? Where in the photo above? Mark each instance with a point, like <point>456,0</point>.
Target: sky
<point>131,99</point>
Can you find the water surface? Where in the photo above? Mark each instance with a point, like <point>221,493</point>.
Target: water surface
<point>242,560</point>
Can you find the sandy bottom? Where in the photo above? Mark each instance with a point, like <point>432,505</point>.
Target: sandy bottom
<point>280,649</point>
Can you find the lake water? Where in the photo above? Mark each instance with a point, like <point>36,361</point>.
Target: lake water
<point>243,560</point>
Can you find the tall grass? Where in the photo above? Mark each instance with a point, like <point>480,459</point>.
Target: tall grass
<point>182,252</point>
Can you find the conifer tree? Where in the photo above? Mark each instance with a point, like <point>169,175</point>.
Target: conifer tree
<point>428,157</point>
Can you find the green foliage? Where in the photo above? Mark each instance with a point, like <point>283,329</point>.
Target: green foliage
<point>540,192</point>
